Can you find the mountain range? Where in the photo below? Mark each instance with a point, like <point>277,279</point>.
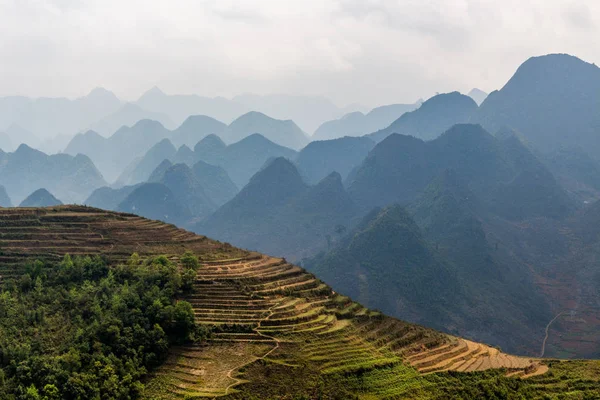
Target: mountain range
<point>71,178</point>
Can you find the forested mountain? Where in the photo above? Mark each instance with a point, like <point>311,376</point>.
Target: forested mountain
<point>180,107</point>
<point>26,170</point>
<point>432,118</point>
<point>4,199</point>
<point>320,158</point>
<point>552,101</point>
<point>40,198</point>
<point>173,335</point>
<point>278,212</point>
<point>358,124</point>
<point>285,133</point>
<point>399,168</point>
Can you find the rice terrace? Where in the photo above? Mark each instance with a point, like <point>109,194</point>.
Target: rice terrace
<point>276,331</point>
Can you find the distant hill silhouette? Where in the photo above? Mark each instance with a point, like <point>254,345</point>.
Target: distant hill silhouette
<point>195,128</point>
<point>70,178</point>
<point>242,159</point>
<point>434,117</point>
<point>40,198</point>
<point>320,158</point>
<point>285,133</point>
<point>148,163</point>
<point>185,155</point>
<point>358,124</point>
<point>180,107</point>
<point>478,95</point>
<point>4,199</point>
<point>552,100</point>
<point>49,117</point>
<point>128,115</point>
<point>111,155</point>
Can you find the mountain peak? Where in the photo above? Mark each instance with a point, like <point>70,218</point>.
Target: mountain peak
<point>40,198</point>
<point>210,142</point>
<point>153,92</point>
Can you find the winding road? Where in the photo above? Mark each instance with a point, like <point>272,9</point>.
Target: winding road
<point>547,329</point>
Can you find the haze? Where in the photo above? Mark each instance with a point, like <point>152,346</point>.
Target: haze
<point>351,51</point>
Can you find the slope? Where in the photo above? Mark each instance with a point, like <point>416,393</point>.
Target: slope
<point>277,200</point>
<point>552,100</point>
<point>276,330</point>
<point>40,198</point>
<point>320,158</point>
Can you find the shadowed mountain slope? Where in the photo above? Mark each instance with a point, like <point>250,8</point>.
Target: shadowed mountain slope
<point>552,101</point>
<point>277,200</point>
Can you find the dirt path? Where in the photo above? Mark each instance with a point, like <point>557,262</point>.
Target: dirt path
<point>257,331</point>
<point>547,329</point>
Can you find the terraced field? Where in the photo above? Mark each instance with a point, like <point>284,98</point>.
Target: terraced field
<point>291,318</point>
<point>50,233</point>
<point>264,314</point>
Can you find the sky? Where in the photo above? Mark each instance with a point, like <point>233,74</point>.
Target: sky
<point>370,52</point>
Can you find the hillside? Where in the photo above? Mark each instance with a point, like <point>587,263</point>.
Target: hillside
<point>70,178</point>
<point>141,169</point>
<point>434,117</point>
<point>274,329</point>
<point>156,201</point>
<point>278,213</point>
<point>503,173</point>
<point>552,101</point>
<point>40,198</point>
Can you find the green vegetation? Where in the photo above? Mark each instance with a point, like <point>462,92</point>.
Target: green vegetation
<point>77,330</point>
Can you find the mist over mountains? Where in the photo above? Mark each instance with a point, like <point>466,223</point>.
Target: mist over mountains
<point>435,212</point>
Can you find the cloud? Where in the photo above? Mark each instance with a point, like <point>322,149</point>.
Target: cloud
<point>367,51</point>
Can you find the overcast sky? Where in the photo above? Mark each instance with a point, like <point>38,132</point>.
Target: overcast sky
<point>367,51</point>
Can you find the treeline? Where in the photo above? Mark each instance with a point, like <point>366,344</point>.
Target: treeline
<point>81,330</point>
